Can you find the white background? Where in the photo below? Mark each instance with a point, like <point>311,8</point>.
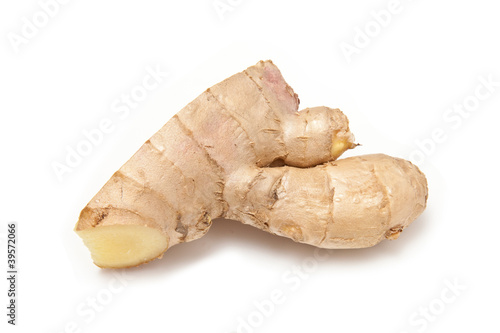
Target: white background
<point>397,90</point>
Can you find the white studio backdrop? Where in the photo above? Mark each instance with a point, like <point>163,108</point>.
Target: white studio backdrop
<point>418,80</point>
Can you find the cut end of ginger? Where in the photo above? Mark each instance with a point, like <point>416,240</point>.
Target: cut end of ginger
<point>339,147</point>
<point>121,246</point>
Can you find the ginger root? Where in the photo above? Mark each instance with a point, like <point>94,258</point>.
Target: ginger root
<point>242,151</point>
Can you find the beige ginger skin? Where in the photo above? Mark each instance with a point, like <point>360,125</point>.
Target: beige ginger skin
<point>242,151</point>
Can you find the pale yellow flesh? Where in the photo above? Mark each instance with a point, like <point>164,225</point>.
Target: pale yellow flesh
<point>119,246</point>
<point>339,147</point>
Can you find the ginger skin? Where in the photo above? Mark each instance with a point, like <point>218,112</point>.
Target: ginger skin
<point>241,150</point>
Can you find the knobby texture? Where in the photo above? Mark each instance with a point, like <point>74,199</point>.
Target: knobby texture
<point>241,150</point>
